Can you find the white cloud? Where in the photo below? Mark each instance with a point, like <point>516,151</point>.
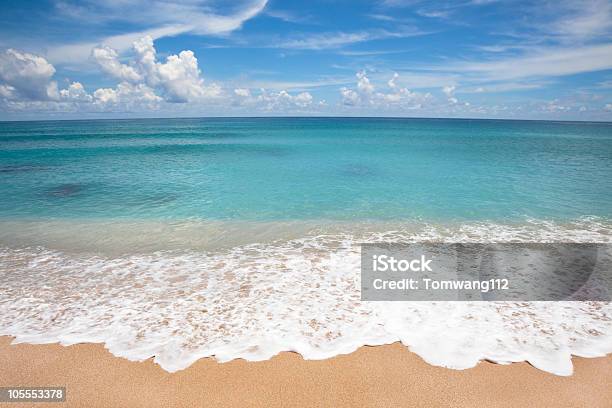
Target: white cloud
<point>210,23</point>
<point>399,3</point>
<point>26,80</point>
<point>7,91</point>
<point>280,101</point>
<point>434,13</point>
<point>75,93</point>
<point>382,17</point>
<point>26,76</point>
<point>322,41</point>
<point>349,97</point>
<point>108,59</point>
<point>81,52</point>
<point>391,82</point>
<point>243,92</point>
<point>398,97</point>
<point>325,41</point>
<point>542,63</point>
<point>178,79</point>
<point>560,38</point>
<point>298,85</point>
<point>504,87</point>
<point>449,91</point>
<point>162,17</point>
<point>105,96</point>
<point>555,106</point>
<point>422,80</point>
<point>287,16</point>
<point>412,3</point>
<point>144,84</point>
<point>608,107</point>
<point>581,20</point>
<point>363,83</point>
<point>127,96</point>
<point>303,99</point>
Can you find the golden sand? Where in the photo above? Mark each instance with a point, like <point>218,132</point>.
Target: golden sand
<point>382,376</point>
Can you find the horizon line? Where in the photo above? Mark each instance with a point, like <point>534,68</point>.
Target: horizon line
<point>306,117</point>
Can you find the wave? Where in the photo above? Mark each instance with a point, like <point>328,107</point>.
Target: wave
<point>255,300</point>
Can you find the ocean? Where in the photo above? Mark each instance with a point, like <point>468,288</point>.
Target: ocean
<point>239,237</point>
<point>306,169</point>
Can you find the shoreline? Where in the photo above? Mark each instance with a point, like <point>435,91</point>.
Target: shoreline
<point>389,375</point>
<point>111,237</point>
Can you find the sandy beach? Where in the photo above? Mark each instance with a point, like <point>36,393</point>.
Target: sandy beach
<point>372,376</point>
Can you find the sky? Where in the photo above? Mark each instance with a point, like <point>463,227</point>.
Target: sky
<point>66,59</point>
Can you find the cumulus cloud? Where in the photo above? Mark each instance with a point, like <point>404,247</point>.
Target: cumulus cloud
<point>178,78</point>
<point>396,96</point>
<point>143,82</point>
<point>26,76</point>
<point>349,97</point>
<point>7,91</point>
<point>242,92</point>
<point>363,83</point>
<point>273,101</point>
<point>302,99</point>
<point>127,96</point>
<point>391,83</point>
<point>449,91</point>
<point>555,106</point>
<point>108,60</point>
<point>26,82</point>
<point>75,93</point>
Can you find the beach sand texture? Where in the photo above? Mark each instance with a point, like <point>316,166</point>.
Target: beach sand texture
<point>382,376</point>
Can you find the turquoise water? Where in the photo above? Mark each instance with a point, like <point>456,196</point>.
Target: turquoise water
<point>241,238</point>
<point>305,169</point>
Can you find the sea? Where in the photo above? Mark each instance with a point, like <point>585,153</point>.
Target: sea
<point>178,239</point>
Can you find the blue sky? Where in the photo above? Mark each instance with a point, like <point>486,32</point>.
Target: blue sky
<point>473,58</point>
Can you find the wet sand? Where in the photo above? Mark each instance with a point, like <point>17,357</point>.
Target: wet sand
<point>382,376</point>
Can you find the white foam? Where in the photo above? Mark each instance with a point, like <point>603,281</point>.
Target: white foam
<point>254,301</point>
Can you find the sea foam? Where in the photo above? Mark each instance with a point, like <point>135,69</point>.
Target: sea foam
<point>255,300</point>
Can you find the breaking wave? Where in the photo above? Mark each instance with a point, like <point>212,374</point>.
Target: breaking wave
<point>254,300</point>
